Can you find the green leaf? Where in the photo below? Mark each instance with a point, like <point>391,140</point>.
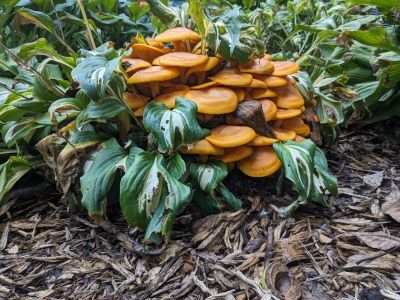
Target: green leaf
<point>94,74</point>
<point>43,21</point>
<point>375,36</point>
<point>175,128</point>
<point>208,178</point>
<point>10,172</point>
<point>151,196</point>
<point>233,27</point>
<point>103,109</point>
<point>98,178</point>
<point>298,163</point>
<point>306,166</point>
<point>42,47</point>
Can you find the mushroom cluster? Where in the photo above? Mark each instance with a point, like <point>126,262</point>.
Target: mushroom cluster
<point>247,106</point>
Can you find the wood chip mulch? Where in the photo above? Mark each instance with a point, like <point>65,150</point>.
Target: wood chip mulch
<point>350,250</point>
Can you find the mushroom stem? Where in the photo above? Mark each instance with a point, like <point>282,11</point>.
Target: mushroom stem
<point>155,88</point>
<point>182,75</point>
<point>177,46</point>
<point>201,76</point>
<point>188,46</point>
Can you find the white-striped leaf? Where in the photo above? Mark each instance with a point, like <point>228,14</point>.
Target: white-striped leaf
<point>99,175</point>
<point>175,128</point>
<point>207,179</point>
<point>150,196</point>
<point>306,166</point>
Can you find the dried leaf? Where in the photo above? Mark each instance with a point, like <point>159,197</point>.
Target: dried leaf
<point>378,240</point>
<point>373,180</point>
<point>391,206</point>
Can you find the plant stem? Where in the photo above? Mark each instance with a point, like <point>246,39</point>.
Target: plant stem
<point>89,32</point>
<point>11,91</point>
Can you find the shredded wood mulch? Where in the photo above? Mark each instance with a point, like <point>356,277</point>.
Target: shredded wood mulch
<point>350,250</point>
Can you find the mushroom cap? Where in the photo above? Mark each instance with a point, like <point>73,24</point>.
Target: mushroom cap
<point>299,138</point>
<point>139,112</point>
<point>155,73</point>
<point>261,140</point>
<point>288,97</point>
<point>263,93</point>
<point>269,109</point>
<point>214,100</point>
<point>147,52</point>
<point>209,64</point>
<point>181,59</point>
<point>240,93</point>
<point>257,66</point>
<point>284,134</point>
<point>228,136</point>
<point>202,147</point>
<point>232,77</point>
<point>135,101</point>
<point>156,61</point>
<point>272,81</point>
<point>154,43</point>
<point>284,68</point>
<point>282,114</point>
<point>136,64</point>
<point>297,125</point>
<point>255,83</point>
<point>204,85</point>
<point>170,94</point>
<point>177,34</point>
<point>263,162</point>
<point>267,57</point>
<point>235,154</point>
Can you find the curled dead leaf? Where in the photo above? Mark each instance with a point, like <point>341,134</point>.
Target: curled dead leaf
<point>282,282</point>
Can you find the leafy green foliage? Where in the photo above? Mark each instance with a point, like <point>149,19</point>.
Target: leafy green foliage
<point>175,128</point>
<point>305,165</point>
<point>10,172</point>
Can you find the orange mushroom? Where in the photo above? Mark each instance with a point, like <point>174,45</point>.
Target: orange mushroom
<point>232,77</point>
<point>202,147</point>
<point>204,85</point>
<point>203,68</point>
<point>272,81</point>
<point>135,101</point>
<point>240,93</point>
<point>139,112</point>
<point>282,114</point>
<point>284,68</point>
<point>262,93</point>
<point>135,64</point>
<point>170,94</point>
<point>153,76</point>
<point>257,66</point>
<point>179,37</point>
<point>214,100</point>
<point>297,125</point>
<point>263,162</point>
<point>147,52</point>
<point>288,97</point>
<point>181,59</point>
<point>269,109</point>
<point>228,136</point>
<point>235,154</point>
<point>261,140</point>
<point>284,134</point>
